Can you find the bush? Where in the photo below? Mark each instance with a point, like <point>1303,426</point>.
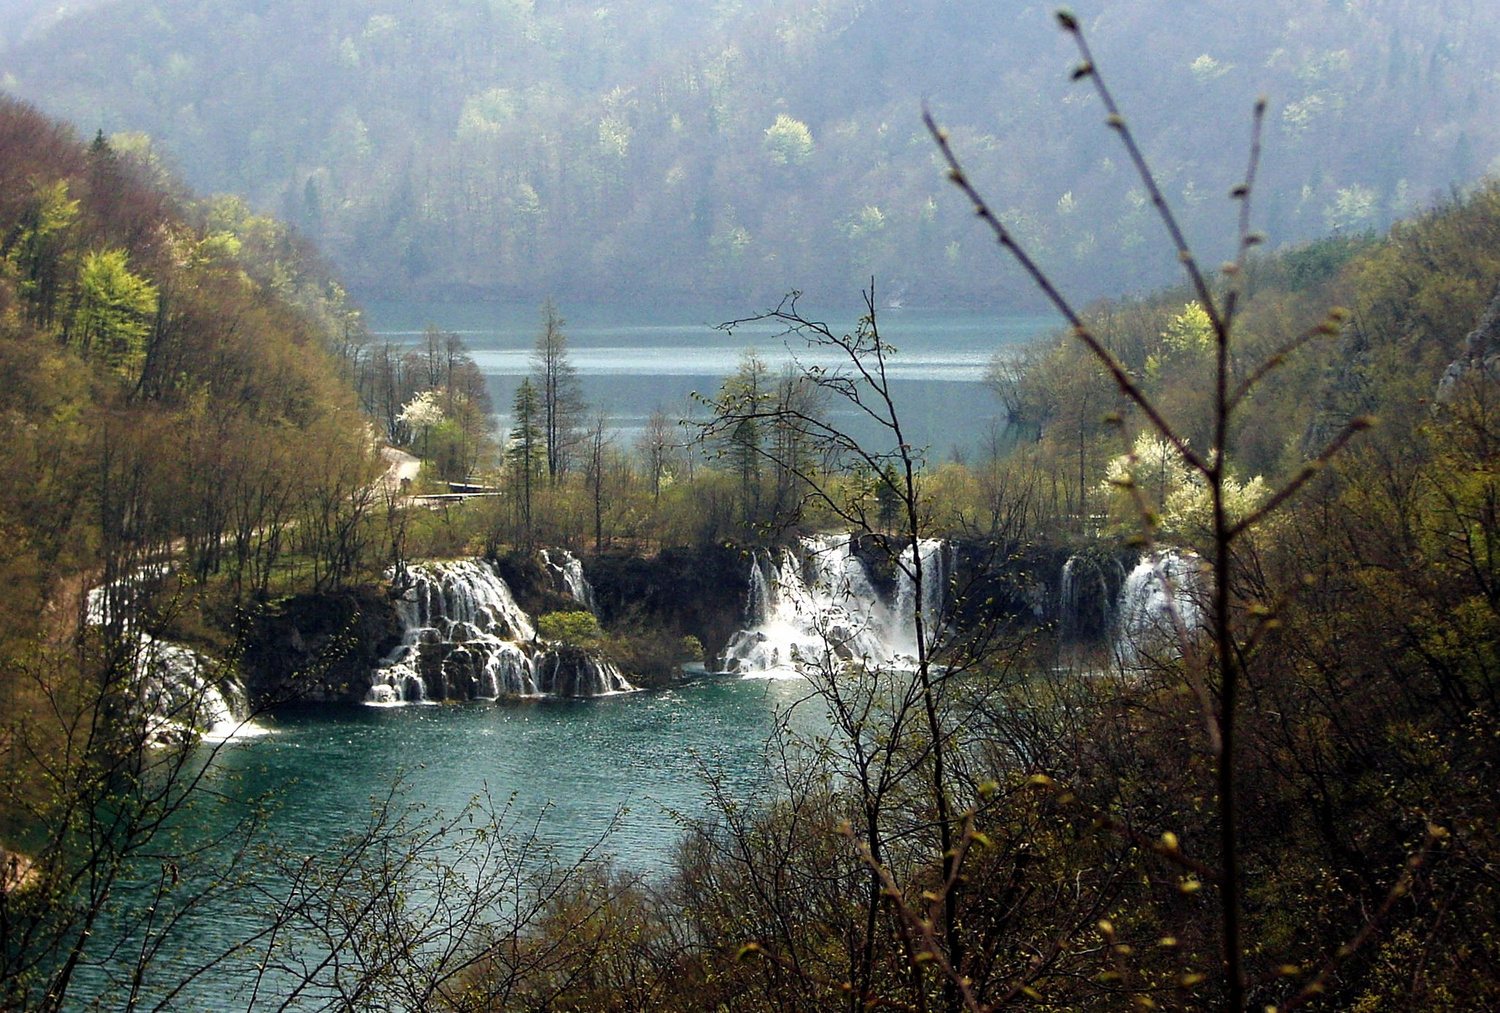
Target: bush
<point>576,629</point>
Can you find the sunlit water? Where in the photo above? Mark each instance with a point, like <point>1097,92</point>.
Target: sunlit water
<point>630,363</point>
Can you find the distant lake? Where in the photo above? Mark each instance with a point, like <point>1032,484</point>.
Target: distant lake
<point>631,363</point>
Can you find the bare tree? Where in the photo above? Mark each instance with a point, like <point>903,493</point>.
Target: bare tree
<point>657,445</point>
<point>893,720</point>
<point>1215,669</point>
<point>525,453</point>
<point>561,398</point>
<point>600,442</point>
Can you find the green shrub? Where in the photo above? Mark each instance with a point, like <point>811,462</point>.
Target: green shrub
<point>577,629</point>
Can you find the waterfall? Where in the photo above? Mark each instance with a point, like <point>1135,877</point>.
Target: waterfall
<point>934,556</point>
<point>465,638</point>
<point>1159,602</point>
<point>182,698</point>
<point>1087,600</point>
<point>571,671</point>
<point>762,592</point>
<point>567,576</point>
<point>182,695</point>
<point>126,594</point>
<point>821,606</point>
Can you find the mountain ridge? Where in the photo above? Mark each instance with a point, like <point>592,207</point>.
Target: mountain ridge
<point>639,151</point>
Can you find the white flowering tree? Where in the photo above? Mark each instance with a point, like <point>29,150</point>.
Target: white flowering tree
<point>422,413</point>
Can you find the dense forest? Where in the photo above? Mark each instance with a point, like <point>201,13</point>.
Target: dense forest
<point>650,150</point>
<point>176,397</point>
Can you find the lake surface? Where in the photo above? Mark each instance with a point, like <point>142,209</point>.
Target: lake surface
<point>631,363</point>
<point>617,775</point>
<point>615,768</point>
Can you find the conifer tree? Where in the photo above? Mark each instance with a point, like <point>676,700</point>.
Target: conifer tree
<point>526,452</point>
<point>556,385</point>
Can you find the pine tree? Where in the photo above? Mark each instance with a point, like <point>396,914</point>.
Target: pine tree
<point>525,454</point>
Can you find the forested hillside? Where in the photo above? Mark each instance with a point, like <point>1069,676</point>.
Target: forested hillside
<point>654,149</point>
<point>172,390</point>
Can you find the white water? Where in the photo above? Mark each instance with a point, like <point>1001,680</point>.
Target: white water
<point>466,638</point>
<point>819,607</point>
<point>1090,597</point>
<point>1160,606</point>
<point>567,576</point>
<point>183,696</point>
<point>123,595</point>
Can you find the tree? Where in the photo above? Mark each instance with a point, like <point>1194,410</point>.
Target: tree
<point>526,455</point>
<point>893,720</point>
<point>39,248</point>
<point>657,445</point>
<point>788,141</point>
<point>558,392</point>
<point>599,443</point>
<point>1215,671</point>
<point>422,413</point>
<point>737,432</point>
<point>115,311</point>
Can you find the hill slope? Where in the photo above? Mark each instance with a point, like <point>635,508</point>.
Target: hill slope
<point>666,149</point>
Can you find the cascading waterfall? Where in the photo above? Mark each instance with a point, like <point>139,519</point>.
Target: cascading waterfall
<point>572,672</point>
<point>1159,602</point>
<point>822,607</point>
<point>1088,598</point>
<point>934,555</point>
<point>182,695</point>
<point>124,595</point>
<point>567,576</point>
<point>466,638</point>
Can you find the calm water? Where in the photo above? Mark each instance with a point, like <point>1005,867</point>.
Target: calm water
<point>584,760</point>
<point>617,774</point>
<point>631,364</point>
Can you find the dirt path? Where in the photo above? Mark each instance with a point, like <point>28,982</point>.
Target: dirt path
<point>401,467</point>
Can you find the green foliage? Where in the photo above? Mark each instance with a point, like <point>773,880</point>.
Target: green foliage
<point>575,629</point>
<point>115,313</point>
<point>166,402</point>
<point>788,141</point>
